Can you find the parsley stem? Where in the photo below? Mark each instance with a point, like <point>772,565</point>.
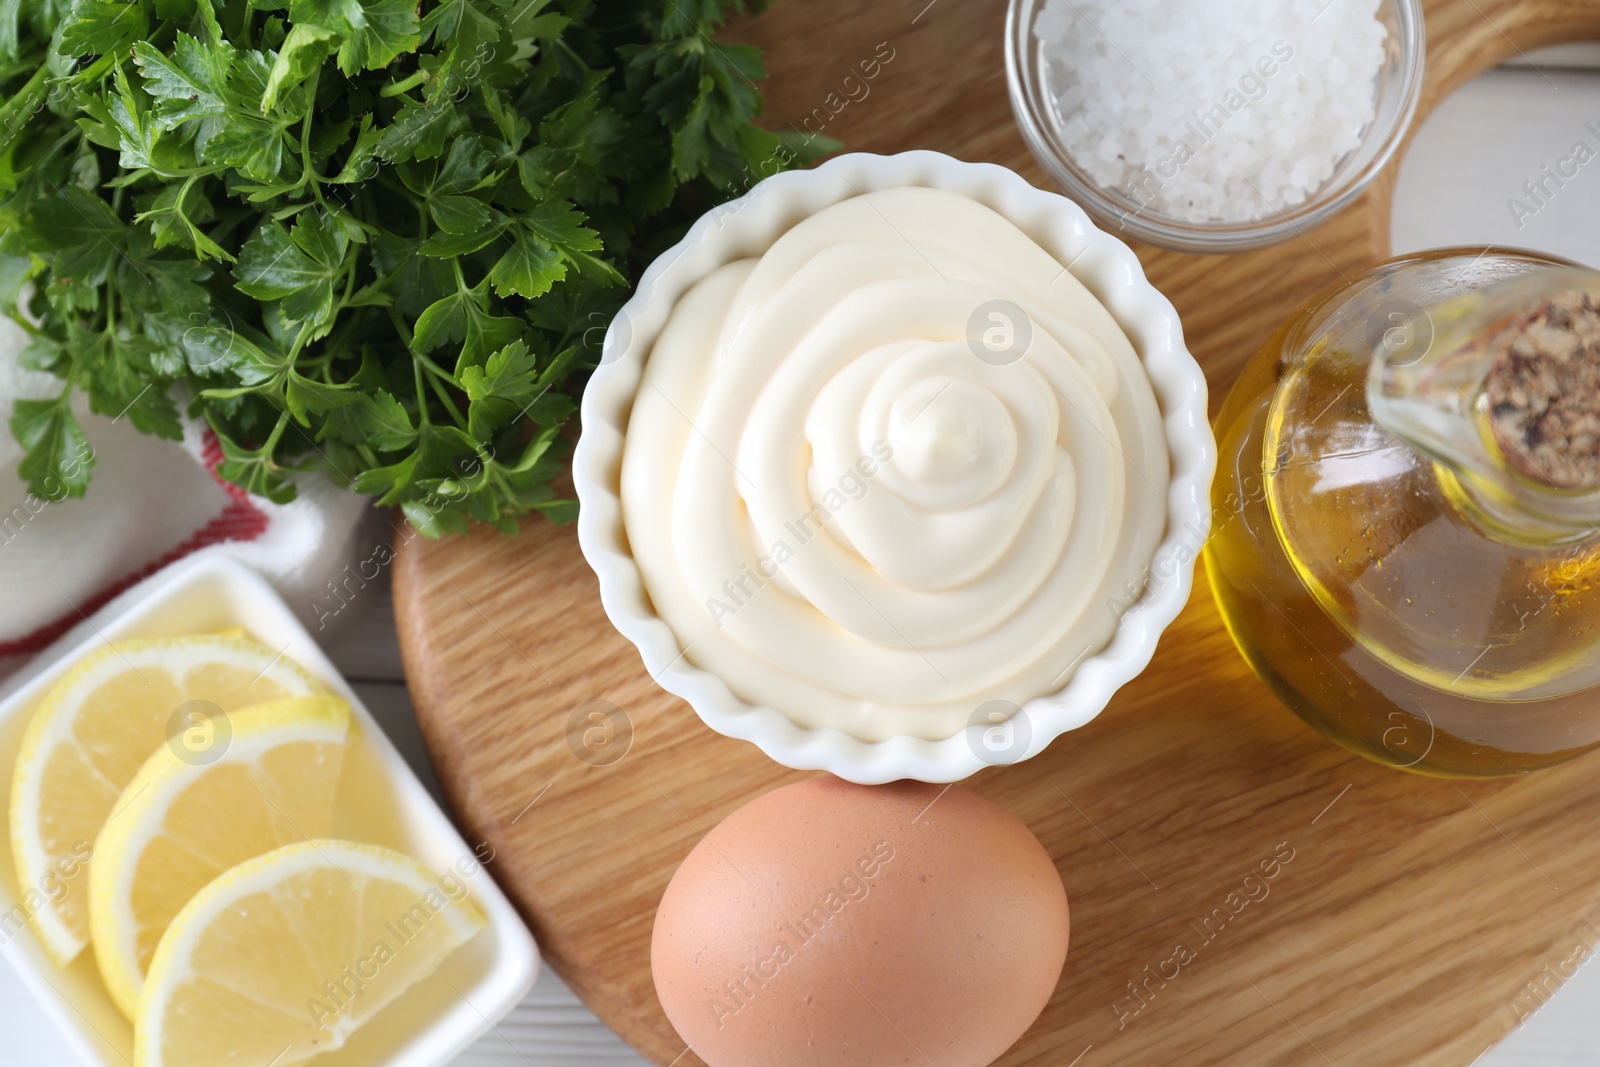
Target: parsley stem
<point>422,394</point>
<point>567,50</point>
<point>15,113</point>
<point>309,175</point>
<point>272,438</point>
<point>436,375</point>
<point>396,88</point>
<point>430,365</point>
<point>92,74</point>
<point>450,405</point>
<point>301,336</point>
<point>349,285</point>
<point>416,367</point>
<point>402,329</point>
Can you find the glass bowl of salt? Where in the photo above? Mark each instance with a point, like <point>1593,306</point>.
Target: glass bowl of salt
<point>1214,125</point>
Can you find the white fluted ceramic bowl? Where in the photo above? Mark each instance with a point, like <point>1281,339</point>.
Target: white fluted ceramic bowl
<point>747,227</point>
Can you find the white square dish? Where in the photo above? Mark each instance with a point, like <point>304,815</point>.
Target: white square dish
<point>380,801</point>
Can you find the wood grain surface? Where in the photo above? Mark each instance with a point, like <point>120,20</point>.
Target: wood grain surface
<point>1418,920</point>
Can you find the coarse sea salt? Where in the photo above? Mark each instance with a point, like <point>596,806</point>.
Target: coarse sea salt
<point>1212,109</point>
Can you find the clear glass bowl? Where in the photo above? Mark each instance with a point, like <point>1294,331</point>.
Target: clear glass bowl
<point>1399,87</point>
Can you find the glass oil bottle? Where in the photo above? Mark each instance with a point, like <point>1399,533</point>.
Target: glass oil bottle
<point>1407,513</point>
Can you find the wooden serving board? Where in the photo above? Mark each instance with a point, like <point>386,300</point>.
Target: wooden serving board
<point>1418,921</point>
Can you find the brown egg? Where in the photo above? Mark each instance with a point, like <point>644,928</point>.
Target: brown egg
<point>835,925</point>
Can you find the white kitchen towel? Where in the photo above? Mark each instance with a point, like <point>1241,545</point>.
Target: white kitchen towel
<point>150,503</point>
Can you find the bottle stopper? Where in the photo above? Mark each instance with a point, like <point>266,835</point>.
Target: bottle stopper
<point>1543,391</point>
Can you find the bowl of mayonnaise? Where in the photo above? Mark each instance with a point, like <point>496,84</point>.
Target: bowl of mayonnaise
<point>896,468</point>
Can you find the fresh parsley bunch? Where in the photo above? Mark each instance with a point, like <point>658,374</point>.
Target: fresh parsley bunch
<point>366,236</point>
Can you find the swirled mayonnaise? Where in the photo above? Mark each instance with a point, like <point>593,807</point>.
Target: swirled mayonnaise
<point>897,466</point>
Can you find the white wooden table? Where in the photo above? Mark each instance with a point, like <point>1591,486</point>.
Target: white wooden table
<point>1467,163</point>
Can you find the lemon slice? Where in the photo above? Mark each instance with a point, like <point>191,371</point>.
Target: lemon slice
<point>180,824</point>
<point>91,734</point>
<point>286,955</point>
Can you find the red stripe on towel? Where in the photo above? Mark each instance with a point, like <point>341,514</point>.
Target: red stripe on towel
<point>241,520</point>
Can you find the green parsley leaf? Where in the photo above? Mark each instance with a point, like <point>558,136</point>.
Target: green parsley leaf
<point>302,52</point>
<point>101,26</point>
<point>464,317</point>
<point>384,421</point>
<point>59,457</point>
<point>191,86</point>
<point>299,270</point>
<point>419,131</point>
<point>254,469</point>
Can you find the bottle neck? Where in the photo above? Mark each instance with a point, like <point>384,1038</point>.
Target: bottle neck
<point>1508,521</point>
<point>1504,396</point>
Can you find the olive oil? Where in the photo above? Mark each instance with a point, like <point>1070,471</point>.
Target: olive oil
<point>1379,590</point>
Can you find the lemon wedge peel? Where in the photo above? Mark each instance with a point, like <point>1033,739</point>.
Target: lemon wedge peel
<point>52,879</point>
<point>315,728</point>
<point>426,918</point>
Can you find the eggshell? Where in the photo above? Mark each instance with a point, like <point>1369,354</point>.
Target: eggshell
<point>834,924</point>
